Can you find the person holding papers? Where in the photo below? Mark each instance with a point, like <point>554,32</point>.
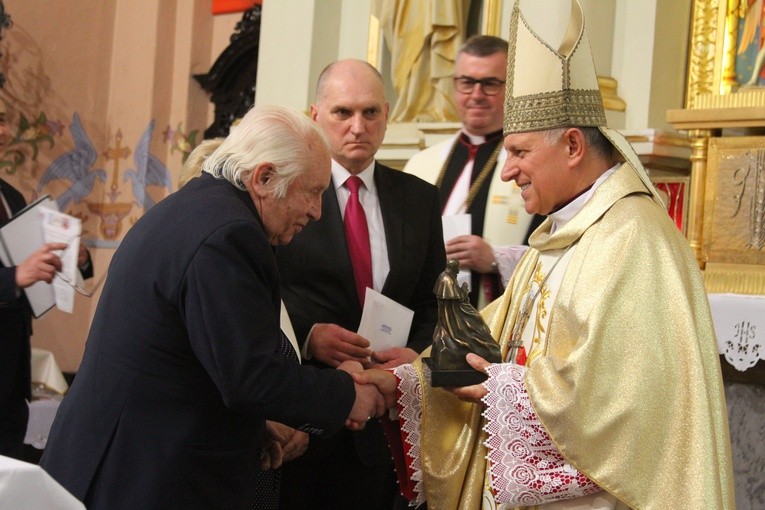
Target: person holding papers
<point>16,322</point>
<point>397,251</point>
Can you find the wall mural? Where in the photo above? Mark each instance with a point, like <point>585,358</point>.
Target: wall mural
<point>72,179</point>
<point>30,135</point>
<point>183,143</point>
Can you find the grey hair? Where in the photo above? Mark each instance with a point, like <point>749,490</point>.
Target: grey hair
<point>595,140</point>
<point>282,136</point>
<point>484,46</point>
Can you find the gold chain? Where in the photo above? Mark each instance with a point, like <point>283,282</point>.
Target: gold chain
<point>485,171</point>
<point>516,342</point>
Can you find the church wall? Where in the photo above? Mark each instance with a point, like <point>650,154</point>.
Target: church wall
<point>118,65</point>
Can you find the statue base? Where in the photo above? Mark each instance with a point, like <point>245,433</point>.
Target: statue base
<point>453,378</point>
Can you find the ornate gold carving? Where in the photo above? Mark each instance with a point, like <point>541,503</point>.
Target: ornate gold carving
<point>701,65</point>
<point>728,80</point>
<point>735,278</point>
<point>741,99</point>
<point>749,195</point>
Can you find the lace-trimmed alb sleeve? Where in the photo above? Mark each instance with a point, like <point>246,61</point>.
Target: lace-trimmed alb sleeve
<point>525,467</point>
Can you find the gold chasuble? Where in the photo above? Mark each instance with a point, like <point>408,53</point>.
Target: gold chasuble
<point>622,373</point>
<point>614,330</point>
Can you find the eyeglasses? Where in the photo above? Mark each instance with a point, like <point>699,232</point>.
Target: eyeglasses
<point>81,290</point>
<point>64,279</point>
<point>489,86</point>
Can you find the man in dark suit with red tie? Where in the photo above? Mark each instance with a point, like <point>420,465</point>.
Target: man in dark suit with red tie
<point>379,228</point>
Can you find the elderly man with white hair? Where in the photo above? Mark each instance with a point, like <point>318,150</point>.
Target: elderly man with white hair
<point>185,360</point>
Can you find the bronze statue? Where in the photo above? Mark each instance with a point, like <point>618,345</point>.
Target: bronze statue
<point>459,331</point>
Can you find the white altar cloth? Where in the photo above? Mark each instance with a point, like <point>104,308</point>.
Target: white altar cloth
<point>739,322</point>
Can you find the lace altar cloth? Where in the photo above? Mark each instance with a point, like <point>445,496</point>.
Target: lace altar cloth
<point>739,322</point>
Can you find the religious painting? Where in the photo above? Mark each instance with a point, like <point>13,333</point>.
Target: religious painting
<point>734,207</point>
<point>727,49</point>
<point>749,43</point>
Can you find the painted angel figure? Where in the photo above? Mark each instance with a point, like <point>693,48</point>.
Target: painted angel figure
<point>74,166</point>
<point>148,171</point>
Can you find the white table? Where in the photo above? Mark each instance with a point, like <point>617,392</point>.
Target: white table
<point>46,373</point>
<point>48,388</point>
<point>25,486</point>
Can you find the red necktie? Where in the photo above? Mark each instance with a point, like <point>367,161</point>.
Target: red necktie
<point>357,236</point>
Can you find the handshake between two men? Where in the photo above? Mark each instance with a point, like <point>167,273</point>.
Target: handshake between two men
<point>375,393</point>
<point>376,390</point>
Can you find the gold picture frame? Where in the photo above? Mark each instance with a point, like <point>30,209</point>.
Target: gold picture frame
<point>714,24</point>
<point>711,78</point>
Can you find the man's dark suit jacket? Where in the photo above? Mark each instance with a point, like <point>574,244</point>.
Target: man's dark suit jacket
<point>15,330</point>
<point>181,366</point>
<point>318,284</point>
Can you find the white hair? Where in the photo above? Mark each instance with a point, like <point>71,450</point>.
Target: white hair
<point>282,136</point>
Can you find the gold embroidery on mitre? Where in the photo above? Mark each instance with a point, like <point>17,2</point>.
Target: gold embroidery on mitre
<point>574,104</point>
<point>551,110</point>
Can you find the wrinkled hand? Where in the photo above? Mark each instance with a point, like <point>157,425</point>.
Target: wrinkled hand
<point>331,344</point>
<point>42,265</point>
<point>472,252</point>
<point>393,357</point>
<point>296,445</point>
<point>284,444</point>
<point>476,392</point>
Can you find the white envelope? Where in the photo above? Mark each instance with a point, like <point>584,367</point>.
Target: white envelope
<point>457,225</point>
<point>384,322</point>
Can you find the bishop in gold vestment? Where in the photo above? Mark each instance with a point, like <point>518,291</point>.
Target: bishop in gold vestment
<point>610,396</point>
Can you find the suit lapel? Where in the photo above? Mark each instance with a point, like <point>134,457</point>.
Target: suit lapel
<point>332,236</point>
<point>14,197</point>
<point>391,197</point>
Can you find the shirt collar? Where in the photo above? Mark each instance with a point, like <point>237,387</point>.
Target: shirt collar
<point>564,215</point>
<point>480,139</point>
<point>340,175</point>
